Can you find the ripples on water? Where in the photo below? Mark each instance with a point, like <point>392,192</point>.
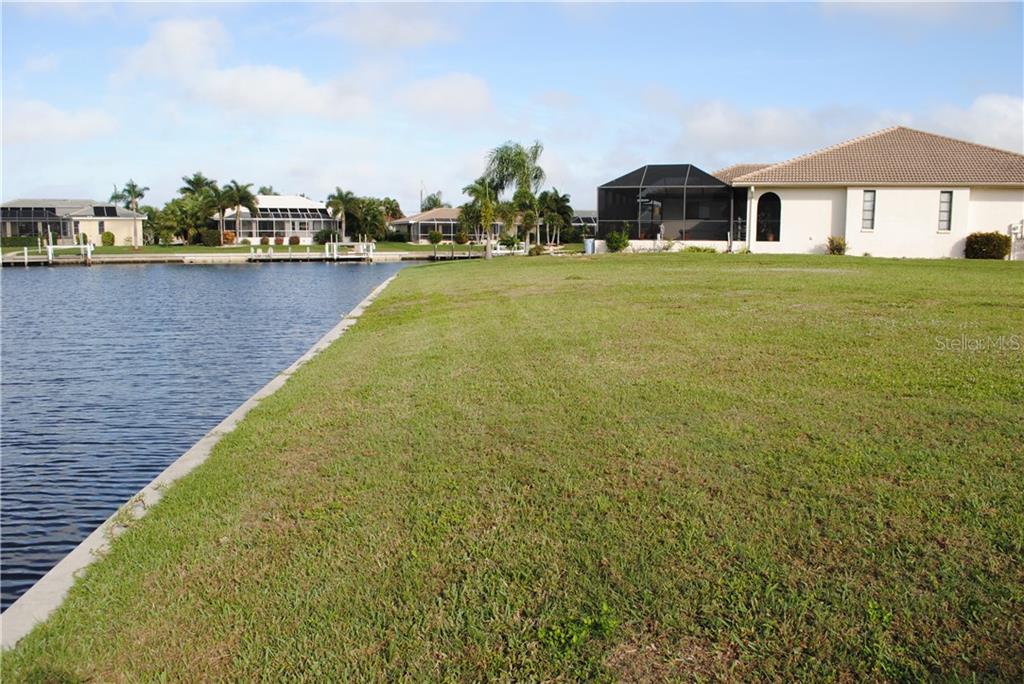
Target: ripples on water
<point>112,372</point>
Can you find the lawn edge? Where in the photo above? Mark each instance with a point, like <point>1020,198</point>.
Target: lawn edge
<point>48,593</point>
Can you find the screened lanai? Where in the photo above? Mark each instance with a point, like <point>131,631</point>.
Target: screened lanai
<point>671,202</point>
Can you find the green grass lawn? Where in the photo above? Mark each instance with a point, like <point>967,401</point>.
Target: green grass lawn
<point>676,466</point>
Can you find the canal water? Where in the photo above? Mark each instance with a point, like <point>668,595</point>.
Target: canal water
<point>110,373</point>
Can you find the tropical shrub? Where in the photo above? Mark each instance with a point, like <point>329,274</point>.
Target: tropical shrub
<point>229,237</point>
<point>83,239</point>
<point>279,240</point>
<point>107,238</point>
<point>264,241</point>
<point>508,241</point>
<point>617,240</point>
<point>435,237</point>
<point>695,249</point>
<point>246,242</point>
<point>210,237</point>
<point>293,239</point>
<point>323,236</point>
<point>987,246</point>
<point>461,238</point>
<point>396,236</point>
<point>536,250</point>
<point>836,246</point>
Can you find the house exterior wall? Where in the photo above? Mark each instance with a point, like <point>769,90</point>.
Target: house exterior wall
<point>906,219</point>
<point>994,209</point>
<point>808,217</point>
<point>907,222</point>
<point>120,227</point>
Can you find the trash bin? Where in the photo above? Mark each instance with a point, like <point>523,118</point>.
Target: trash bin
<point>588,246</point>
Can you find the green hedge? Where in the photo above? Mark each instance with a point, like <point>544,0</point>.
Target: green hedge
<point>31,241</point>
<point>987,246</point>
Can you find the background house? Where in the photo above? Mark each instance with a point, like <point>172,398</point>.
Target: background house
<point>280,216</point>
<point>65,219</point>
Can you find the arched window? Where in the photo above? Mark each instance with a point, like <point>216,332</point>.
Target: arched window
<point>769,215</point>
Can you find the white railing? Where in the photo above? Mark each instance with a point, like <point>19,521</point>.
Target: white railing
<point>85,250</point>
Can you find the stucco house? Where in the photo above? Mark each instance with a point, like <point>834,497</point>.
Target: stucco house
<point>64,220</point>
<point>898,192</point>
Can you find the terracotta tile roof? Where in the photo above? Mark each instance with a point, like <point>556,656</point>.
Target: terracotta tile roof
<point>730,173</point>
<point>896,156</point>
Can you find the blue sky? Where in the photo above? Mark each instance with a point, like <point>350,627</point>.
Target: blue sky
<point>386,99</point>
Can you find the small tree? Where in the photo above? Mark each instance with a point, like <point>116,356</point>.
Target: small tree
<point>435,237</point>
<point>461,237</point>
<point>617,240</point>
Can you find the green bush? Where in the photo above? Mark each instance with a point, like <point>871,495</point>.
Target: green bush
<point>324,235</point>
<point>617,240</point>
<point>435,237</point>
<point>27,241</point>
<point>83,239</point>
<point>245,241</point>
<point>210,237</point>
<point>293,239</point>
<point>836,246</point>
<point>107,238</point>
<point>536,250</point>
<point>396,236</point>
<point>694,249</point>
<point>461,238</point>
<point>987,246</point>
<point>508,241</point>
<point>264,241</point>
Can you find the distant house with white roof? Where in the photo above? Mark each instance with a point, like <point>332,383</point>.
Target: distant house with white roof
<point>281,216</point>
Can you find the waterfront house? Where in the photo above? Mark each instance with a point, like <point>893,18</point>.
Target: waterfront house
<point>417,228</point>
<point>898,192</point>
<point>280,216</point>
<point>445,220</point>
<point>63,220</point>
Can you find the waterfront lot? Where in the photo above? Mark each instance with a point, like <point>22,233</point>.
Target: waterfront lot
<point>652,467</point>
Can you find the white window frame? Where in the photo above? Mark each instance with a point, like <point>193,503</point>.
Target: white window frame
<point>943,194</point>
<point>867,225</point>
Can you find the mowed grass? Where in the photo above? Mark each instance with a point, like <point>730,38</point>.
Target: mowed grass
<point>658,467</point>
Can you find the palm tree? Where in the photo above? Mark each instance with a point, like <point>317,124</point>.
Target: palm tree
<point>507,214</point>
<point>267,190</point>
<point>511,164</point>
<point>433,201</point>
<point>240,196</point>
<point>195,183</point>
<point>341,202</point>
<point>131,194</point>
<point>222,200</point>
<point>556,210</point>
<point>480,192</point>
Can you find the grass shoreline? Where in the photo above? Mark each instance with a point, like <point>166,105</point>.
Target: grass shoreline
<point>661,466</point>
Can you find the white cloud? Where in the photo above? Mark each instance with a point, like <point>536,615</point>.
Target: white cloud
<point>186,53</point>
<point>39,64</point>
<point>35,120</point>
<point>996,120</point>
<point>455,96</point>
<point>387,26</point>
<point>716,132</point>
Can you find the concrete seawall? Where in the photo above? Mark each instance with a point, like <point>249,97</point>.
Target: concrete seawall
<point>46,595</point>
<point>19,259</point>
